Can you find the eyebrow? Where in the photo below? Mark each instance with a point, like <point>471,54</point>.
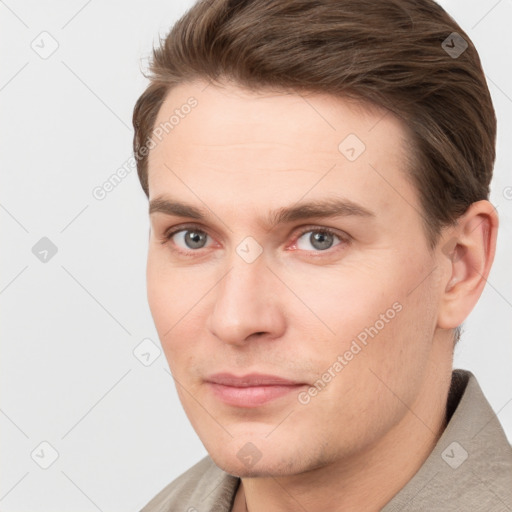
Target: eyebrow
<point>321,208</point>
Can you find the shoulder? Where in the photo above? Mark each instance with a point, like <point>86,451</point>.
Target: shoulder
<point>470,467</point>
<point>204,486</point>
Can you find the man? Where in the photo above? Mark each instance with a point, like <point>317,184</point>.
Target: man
<point>318,179</point>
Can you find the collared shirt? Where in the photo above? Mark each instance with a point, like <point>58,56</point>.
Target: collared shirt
<point>469,469</point>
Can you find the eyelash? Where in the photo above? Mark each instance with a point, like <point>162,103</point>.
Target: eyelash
<point>344,239</point>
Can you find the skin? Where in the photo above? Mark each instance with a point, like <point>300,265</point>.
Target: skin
<point>291,312</point>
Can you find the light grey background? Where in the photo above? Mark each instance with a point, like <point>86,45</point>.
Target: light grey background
<point>70,325</point>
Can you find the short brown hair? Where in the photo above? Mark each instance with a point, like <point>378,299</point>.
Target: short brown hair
<point>388,53</point>
<point>391,53</point>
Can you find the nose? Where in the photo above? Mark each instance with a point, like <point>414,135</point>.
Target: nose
<point>246,305</point>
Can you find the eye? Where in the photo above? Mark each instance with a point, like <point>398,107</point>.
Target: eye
<point>187,238</point>
<point>321,239</point>
<point>190,239</point>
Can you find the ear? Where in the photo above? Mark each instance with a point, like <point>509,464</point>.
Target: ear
<point>468,256</point>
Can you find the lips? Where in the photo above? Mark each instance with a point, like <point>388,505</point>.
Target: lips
<point>252,390</point>
<point>253,379</point>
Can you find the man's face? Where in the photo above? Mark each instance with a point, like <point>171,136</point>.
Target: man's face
<point>347,316</point>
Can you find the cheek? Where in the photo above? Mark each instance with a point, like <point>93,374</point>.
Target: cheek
<point>157,287</point>
<point>345,301</point>
<point>382,320</point>
<point>174,297</point>
<point>169,287</point>
<point>168,295</point>
<point>395,354</point>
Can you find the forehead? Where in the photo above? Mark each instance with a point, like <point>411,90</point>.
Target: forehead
<point>274,147</point>
<point>306,122</point>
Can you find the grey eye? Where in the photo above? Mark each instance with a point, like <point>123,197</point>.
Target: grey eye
<point>320,240</point>
<point>192,238</point>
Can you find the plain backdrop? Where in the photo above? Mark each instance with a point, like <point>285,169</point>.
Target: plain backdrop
<point>75,398</point>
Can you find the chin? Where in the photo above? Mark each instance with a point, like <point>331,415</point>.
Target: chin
<point>246,462</point>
